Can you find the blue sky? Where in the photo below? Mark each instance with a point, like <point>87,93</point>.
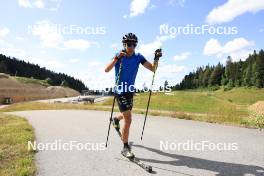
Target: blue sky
<point>27,31</point>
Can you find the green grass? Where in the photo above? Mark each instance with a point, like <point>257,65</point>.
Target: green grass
<point>50,106</point>
<point>225,107</point>
<point>208,102</point>
<point>241,96</point>
<point>32,81</point>
<point>15,159</point>
<point>219,106</point>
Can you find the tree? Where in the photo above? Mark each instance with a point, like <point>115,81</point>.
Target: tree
<point>166,84</point>
<point>242,73</point>
<point>14,66</point>
<point>49,81</point>
<point>248,76</point>
<point>3,68</point>
<point>228,69</point>
<point>64,84</point>
<point>216,76</point>
<point>260,69</point>
<point>206,76</point>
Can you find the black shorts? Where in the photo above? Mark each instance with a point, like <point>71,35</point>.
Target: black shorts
<point>125,101</point>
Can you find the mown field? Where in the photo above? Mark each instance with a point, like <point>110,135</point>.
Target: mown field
<point>220,106</point>
<point>225,107</point>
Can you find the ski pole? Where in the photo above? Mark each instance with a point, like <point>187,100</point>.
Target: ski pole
<point>158,54</point>
<point>113,105</point>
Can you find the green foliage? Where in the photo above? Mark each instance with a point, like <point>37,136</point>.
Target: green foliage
<point>213,88</point>
<point>248,73</point>
<point>49,81</point>
<point>64,84</point>
<point>256,119</point>
<point>33,81</point>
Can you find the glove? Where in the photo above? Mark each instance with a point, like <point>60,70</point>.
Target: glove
<point>158,54</point>
<point>121,54</point>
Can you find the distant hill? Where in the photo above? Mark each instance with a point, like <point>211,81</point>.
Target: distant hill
<point>26,89</point>
<point>15,67</point>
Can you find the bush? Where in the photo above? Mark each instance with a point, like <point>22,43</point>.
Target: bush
<point>49,81</point>
<point>257,119</point>
<point>227,88</point>
<point>213,88</point>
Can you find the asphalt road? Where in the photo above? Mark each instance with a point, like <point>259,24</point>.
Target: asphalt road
<point>89,128</point>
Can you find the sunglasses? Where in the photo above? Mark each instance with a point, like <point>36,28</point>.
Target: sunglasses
<point>130,45</point>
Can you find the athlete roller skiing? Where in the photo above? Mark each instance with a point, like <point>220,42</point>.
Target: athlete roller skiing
<point>126,64</point>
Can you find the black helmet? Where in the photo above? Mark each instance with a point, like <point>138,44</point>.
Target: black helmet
<point>130,37</point>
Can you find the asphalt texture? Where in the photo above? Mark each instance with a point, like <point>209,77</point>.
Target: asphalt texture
<point>170,146</point>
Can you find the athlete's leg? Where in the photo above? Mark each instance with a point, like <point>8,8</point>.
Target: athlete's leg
<point>127,122</point>
<point>120,116</point>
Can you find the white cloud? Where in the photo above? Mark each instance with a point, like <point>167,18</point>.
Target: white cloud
<point>181,56</point>
<point>4,31</point>
<point>237,44</point>
<point>115,46</point>
<point>148,49</point>
<point>53,64</point>
<point>74,61</point>
<point>242,54</point>
<point>94,63</point>
<point>95,78</point>
<point>171,72</point>
<point>170,69</point>
<point>138,7</point>
<point>39,4</point>
<point>48,34</point>
<point>49,63</point>
<point>51,38</point>
<point>13,52</point>
<point>2,42</point>
<point>24,3</point>
<point>77,44</point>
<point>236,48</point>
<point>166,71</point>
<point>20,38</point>
<point>212,47</point>
<point>232,9</point>
<point>51,5</point>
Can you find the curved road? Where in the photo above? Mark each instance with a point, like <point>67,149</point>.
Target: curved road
<point>90,127</point>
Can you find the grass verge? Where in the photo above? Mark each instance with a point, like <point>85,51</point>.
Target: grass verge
<point>15,159</point>
<point>221,117</point>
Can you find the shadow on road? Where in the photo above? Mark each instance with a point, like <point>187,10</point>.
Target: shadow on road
<point>222,168</point>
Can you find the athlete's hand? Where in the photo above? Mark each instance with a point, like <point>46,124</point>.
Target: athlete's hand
<point>158,54</point>
<point>121,54</point>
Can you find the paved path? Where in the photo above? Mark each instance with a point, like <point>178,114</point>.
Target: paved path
<point>91,126</point>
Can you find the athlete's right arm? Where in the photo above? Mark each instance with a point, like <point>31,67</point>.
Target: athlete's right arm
<point>111,64</point>
<point>114,61</point>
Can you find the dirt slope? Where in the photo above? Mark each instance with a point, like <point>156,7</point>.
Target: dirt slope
<point>258,107</point>
<point>19,91</point>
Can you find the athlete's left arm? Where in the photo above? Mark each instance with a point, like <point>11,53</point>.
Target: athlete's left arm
<point>150,66</point>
